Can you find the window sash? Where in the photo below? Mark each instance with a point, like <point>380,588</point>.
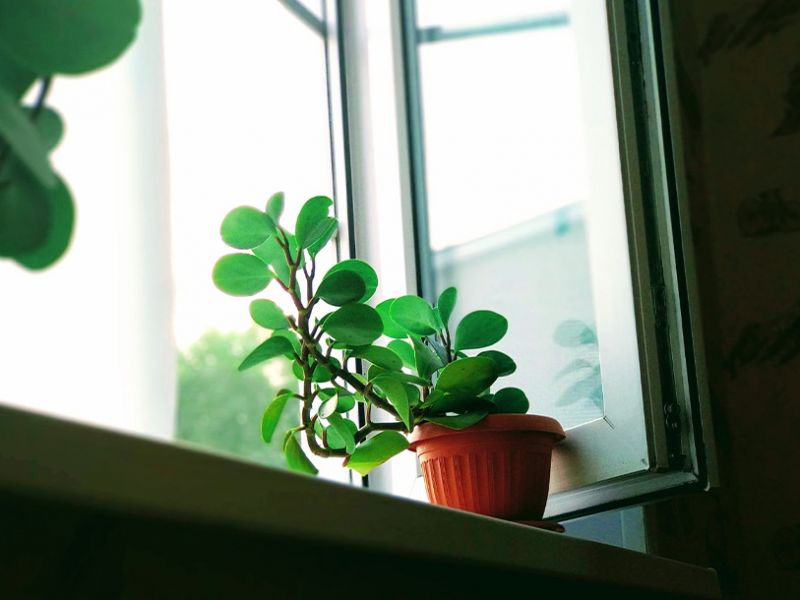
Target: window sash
<point>649,371</point>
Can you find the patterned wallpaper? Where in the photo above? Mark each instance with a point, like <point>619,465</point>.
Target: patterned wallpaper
<point>738,64</point>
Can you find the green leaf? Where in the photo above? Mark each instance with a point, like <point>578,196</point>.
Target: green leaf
<point>446,303</point>
<point>59,228</point>
<point>442,404</point>
<point>246,227</point>
<point>404,351</point>
<point>399,376</point>
<point>240,274</point>
<point>267,314</point>
<point>310,220</point>
<point>376,451</point>
<point>296,459</point>
<point>24,213</point>
<point>271,348</point>
<point>345,430</point>
<point>354,324</point>
<point>323,373</point>
<point>479,329</point>
<point>425,360</point>
<point>49,125</point>
<point>272,415</point>
<point>467,375</point>
<point>341,287</point>
<point>15,77</point>
<point>439,349</point>
<point>275,207</point>
<point>363,270</point>
<point>505,364</point>
<point>328,228</point>
<point>414,314</point>
<point>390,327</point>
<point>23,138</point>
<point>458,421</point>
<point>291,336</point>
<point>54,36</point>
<point>328,407</point>
<point>396,394</point>
<point>346,402</point>
<point>511,400</point>
<point>272,254</point>
<point>382,357</point>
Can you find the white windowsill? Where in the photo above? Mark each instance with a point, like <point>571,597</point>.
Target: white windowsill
<point>44,455</point>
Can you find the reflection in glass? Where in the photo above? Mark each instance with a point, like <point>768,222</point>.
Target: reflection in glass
<point>507,180</point>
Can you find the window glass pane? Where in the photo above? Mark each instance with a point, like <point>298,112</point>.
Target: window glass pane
<point>242,124</point>
<point>508,182</point>
<point>201,115</point>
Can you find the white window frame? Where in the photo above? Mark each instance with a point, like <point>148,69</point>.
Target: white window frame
<point>655,436</point>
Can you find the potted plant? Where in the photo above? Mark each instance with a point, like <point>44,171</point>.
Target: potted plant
<point>478,449</point>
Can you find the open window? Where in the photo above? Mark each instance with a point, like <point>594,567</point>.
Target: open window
<point>523,152</point>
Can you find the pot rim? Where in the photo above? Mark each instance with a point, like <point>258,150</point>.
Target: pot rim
<point>491,423</point>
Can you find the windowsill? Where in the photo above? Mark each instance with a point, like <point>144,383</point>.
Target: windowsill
<point>47,456</point>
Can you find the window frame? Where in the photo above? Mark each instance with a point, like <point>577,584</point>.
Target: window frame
<point>679,449</point>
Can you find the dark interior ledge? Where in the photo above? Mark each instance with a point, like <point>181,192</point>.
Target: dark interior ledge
<point>48,466</point>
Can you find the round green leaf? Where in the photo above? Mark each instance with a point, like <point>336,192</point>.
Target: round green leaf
<point>382,357</point>
<point>25,213</point>
<point>267,314</point>
<point>415,314</point>
<point>426,361</point>
<point>376,451</point>
<point>446,303</point>
<point>275,207</point>
<point>240,274</point>
<point>59,230</point>
<point>272,348</point>
<point>341,287</point>
<point>246,227</point>
<point>511,400</point>
<point>354,324</point>
<point>479,329</point>
<point>311,220</point>
<point>50,127</point>
<point>470,375</point>
<point>363,270</point>
<point>505,364</point>
<point>55,36</point>
<point>390,328</point>
<point>404,351</point>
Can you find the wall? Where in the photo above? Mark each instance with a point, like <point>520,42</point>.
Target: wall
<point>739,87</point>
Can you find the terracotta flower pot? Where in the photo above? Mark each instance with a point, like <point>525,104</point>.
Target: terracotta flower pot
<point>499,467</point>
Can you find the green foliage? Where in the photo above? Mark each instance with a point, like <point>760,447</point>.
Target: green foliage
<point>39,39</point>
<point>414,314</point>
<point>418,376</point>
<point>240,274</point>
<point>220,408</point>
<point>246,227</point>
<point>479,329</point>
